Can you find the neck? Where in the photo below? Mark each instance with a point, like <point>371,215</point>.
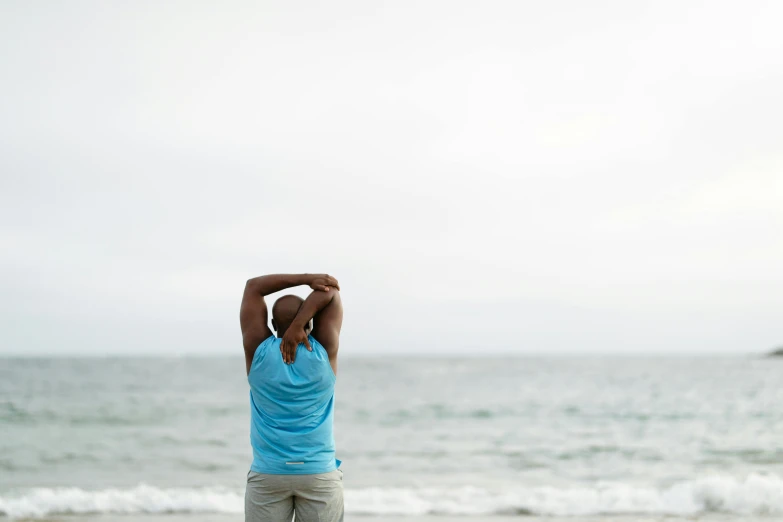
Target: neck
<point>281,331</point>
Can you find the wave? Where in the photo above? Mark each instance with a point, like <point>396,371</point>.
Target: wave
<point>41,502</point>
<point>755,495</point>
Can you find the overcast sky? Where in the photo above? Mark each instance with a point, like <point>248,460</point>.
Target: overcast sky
<point>528,177</point>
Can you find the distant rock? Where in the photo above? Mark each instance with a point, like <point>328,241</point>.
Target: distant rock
<point>777,353</point>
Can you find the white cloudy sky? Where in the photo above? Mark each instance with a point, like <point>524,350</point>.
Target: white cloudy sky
<point>541,177</point>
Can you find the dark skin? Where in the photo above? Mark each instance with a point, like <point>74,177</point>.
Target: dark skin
<point>325,308</point>
<point>292,316</point>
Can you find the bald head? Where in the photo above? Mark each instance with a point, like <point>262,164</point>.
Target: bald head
<point>283,312</point>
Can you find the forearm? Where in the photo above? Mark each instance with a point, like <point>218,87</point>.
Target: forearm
<point>315,302</point>
<point>269,284</point>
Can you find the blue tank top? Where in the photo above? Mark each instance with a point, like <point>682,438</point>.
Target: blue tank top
<point>292,410</point>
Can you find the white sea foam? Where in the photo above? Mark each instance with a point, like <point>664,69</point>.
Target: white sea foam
<point>40,502</point>
<point>755,495</point>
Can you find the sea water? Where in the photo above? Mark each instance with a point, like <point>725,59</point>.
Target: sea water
<point>548,436</point>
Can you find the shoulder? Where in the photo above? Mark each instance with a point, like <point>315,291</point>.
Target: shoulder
<point>269,342</point>
<point>315,343</point>
<point>264,346</point>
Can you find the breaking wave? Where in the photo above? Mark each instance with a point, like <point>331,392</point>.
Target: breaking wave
<point>755,495</point>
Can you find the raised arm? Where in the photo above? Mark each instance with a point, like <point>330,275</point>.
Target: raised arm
<point>253,314</point>
<point>326,310</point>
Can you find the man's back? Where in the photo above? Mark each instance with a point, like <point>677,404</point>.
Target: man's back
<point>292,379</point>
<point>292,410</point>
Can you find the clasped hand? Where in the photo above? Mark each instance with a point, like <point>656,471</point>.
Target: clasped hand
<point>296,335</point>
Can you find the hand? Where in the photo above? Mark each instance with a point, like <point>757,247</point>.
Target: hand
<point>292,338</point>
<point>323,282</point>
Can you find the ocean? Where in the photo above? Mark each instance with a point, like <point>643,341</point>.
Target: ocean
<point>551,438</point>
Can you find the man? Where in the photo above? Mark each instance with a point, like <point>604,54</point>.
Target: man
<point>292,378</point>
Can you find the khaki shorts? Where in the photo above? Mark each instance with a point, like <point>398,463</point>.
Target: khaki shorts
<point>275,498</point>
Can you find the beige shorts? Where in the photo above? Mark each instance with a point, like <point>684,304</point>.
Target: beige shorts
<point>275,498</point>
